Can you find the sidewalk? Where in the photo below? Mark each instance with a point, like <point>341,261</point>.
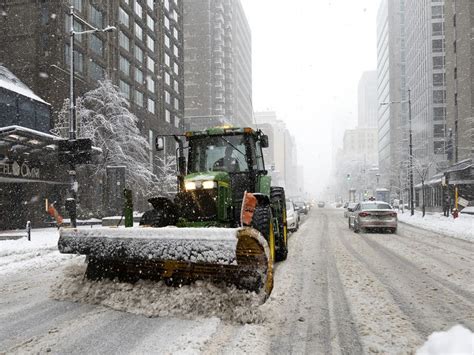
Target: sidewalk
<point>461,228</point>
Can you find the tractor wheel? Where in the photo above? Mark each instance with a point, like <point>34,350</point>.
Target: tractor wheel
<point>262,221</point>
<point>277,197</point>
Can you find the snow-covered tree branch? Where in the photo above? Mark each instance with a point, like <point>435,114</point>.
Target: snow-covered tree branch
<point>103,116</point>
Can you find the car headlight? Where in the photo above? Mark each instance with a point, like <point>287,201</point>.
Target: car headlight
<point>190,185</point>
<point>209,185</point>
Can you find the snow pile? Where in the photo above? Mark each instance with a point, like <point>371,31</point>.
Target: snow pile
<point>461,228</point>
<point>155,299</point>
<point>458,340</point>
<point>206,245</point>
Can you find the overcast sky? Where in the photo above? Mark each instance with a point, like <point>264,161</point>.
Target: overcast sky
<point>308,56</point>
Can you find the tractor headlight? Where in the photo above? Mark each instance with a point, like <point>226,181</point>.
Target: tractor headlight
<point>209,185</point>
<point>190,185</point>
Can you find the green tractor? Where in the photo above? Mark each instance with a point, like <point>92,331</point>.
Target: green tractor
<point>201,232</point>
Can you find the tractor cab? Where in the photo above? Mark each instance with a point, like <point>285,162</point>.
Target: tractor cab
<point>231,150</point>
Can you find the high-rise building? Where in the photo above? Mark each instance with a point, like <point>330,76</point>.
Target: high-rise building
<point>281,155</point>
<point>367,100</point>
<point>459,21</point>
<point>217,63</point>
<point>425,71</point>
<point>143,56</point>
<point>391,94</point>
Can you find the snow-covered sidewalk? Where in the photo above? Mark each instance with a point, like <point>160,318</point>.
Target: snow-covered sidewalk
<point>461,228</point>
<point>22,254</point>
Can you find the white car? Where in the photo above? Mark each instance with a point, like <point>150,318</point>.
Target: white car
<point>292,216</point>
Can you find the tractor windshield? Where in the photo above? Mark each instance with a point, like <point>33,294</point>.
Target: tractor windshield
<point>218,153</point>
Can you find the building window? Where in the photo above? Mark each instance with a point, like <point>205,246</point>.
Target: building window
<point>150,3</point>
<point>176,68</point>
<point>438,131</point>
<point>176,122</point>
<point>167,4</point>
<point>138,32</point>
<point>167,22</point>
<point>123,17</point>
<point>439,96</point>
<point>167,59</point>
<point>138,76</point>
<point>176,86</point>
<point>439,147</point>
<point>174,15</point>
<point>96,45</point>
<point>150,65</point>
<point>139,54</point>
<point>78,59</point>
<point>167,41</point>
<point>96,72</point>
<point>176,104</point>
<point>77,5</point>
<point>124,89</point>
<point>151,106</point>
<point>437,12</point>
<point>167,97</point>
<point>437,45</point>
<point>167,79</point>
<point>175,33</point>
<point>150,42</point>
<point>138,9</point>
<point>124,66</point>
<point>138,98</point>
<point>124,41</point>
<point>437,29</point>
<point>438,79</point>
<point>150,84</point>
<point>150,23</point>
<point>167,116</point>
<point>176,51</point>
<point>438,62</point>
<point>96,17</point>
<point>439,113</point>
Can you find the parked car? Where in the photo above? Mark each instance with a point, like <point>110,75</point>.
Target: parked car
<point>292,216</point>
<point>301,207</point>
<point>321,204</point>
<point>349,209</point>
<point>373,215</point>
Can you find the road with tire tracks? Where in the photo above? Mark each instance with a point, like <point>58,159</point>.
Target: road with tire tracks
<point>338,292</point>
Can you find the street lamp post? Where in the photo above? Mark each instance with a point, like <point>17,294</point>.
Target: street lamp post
<point>410,167</point>
<point>412,190</point>
<point>71,201</point>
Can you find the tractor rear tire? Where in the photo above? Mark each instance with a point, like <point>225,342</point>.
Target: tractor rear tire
<point>278,200</point>
<point>262,221</point>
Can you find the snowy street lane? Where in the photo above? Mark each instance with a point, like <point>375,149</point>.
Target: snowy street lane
<point>338,292</point>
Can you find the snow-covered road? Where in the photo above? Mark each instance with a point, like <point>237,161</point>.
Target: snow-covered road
<point>338,292</point>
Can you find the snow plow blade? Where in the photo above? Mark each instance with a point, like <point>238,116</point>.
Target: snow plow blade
<point>238,256</point>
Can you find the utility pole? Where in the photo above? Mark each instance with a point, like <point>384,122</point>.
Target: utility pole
<point>412,192</point>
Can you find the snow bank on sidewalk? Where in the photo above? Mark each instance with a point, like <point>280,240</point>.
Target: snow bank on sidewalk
<point>457,340</point>
<point>461,228</point>
<point>155,299</point>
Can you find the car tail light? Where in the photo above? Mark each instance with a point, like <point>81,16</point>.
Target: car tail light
<point>364,214</point>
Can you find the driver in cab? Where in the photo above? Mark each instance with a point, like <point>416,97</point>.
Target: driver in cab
<point>228,162</point>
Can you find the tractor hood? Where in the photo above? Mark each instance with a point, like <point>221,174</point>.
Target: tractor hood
<point>219,176</point>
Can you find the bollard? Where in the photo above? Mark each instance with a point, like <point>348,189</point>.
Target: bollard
<point>28,230</point>
<point>128,207</point>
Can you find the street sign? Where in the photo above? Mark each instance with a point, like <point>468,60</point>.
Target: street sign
<point>76,151</point>
<point>463,202</point>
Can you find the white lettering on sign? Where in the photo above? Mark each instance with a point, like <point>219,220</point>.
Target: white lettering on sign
<point>19,170</point>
